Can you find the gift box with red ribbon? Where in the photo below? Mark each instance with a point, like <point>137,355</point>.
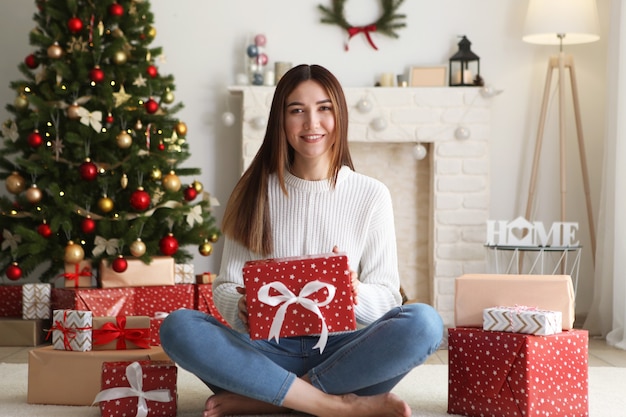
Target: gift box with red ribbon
<point>129,301</point>
<point>121,332</point>
<point>78,275</point>
<point>296,296</point>
<point>513,374</point>
<point>204,302</point>
<point>10,301</point>
<point>139,388</point>
<point>71,330</point>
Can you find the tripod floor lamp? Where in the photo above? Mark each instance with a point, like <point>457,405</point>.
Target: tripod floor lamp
<point>562,22</point>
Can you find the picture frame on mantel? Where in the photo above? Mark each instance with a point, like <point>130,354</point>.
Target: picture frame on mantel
<point>433,76</point>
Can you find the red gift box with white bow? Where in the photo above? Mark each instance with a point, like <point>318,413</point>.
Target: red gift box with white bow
<point>139,388</point>
<point>297,296</point>
<point>513,374</point>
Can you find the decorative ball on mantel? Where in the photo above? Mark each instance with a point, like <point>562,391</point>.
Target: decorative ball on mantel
<point>419,151</point>
<point>228,118</point>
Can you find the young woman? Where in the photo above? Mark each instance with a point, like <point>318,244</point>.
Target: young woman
<point>301,196</point>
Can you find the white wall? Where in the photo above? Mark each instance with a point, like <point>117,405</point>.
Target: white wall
<point>204,42</point>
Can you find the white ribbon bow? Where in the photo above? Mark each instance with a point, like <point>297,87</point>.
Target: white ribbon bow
<point>134,375</point>
<point>91,118</point>
<point>195,215</point>
<point>102,245</point>
<point>9,130</point>
<point>286,298</point>
<point>10,240</point>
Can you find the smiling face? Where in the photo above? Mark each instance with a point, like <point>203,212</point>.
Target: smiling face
<point>310,129</point>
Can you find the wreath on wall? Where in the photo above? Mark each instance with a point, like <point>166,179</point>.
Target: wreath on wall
<point>386,24</point>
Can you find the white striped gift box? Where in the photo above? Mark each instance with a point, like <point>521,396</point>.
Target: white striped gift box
<point>36,301</point>
<point>71,330</point>
<point>525,320</point>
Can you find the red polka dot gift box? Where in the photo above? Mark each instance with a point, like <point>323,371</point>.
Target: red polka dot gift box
<point>138,388</point>
<point>297,296</point>
<point>507,374</point>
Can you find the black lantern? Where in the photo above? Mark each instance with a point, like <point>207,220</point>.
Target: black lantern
<point>464,66</point>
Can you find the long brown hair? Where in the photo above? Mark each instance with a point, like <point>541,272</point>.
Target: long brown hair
<point>247,219</point>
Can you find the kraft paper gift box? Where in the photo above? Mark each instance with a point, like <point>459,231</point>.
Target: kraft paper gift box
<point>10,301</point>
<point>476,292</point>
<point>36,301</point>
<point>78,275</point>
<point>513,375</point>
<point>71,330</point>
<point>520,319</point>
<point>20,332</point>
<point>298,296</point>
<point>129,301</point>
<point>184,274</point>
<point>138,274</point>
<point>205,278</point>
<point>121,332</point>
<point>73,378</point>
<point>204,302</point>
<point>123,381</point>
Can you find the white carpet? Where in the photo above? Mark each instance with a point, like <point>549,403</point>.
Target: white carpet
<point>425,389</point>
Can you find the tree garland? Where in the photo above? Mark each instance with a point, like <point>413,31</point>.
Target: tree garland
<point>386,24</point>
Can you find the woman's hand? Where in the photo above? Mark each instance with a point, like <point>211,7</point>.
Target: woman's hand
<point>243,308</point>
<point>354,280</point>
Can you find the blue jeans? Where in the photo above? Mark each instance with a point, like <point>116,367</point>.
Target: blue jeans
<point>368,361</point>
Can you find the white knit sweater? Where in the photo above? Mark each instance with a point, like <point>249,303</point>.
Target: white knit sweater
<point>356,216</point>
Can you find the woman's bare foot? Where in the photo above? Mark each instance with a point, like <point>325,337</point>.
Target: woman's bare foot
<point>382,405</point>
<point>227,403</point>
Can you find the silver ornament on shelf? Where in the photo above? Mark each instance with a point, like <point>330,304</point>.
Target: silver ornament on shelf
<point>419,151</point>
<point>379,124</point>
<point>228,118</point>
<point>364,105</point>
<point>462,133</point>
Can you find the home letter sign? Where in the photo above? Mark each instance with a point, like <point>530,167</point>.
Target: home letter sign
<point>523,233</point>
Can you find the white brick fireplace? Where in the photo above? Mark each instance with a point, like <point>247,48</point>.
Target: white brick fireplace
<point>441,202</point>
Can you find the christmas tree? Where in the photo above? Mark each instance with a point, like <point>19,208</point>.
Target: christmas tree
<point>91,154</point>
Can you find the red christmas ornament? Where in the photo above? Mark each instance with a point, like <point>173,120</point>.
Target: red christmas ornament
<point>151,106</point>
<point>96,75</point>
<point>140,199</point>
<point>152,71</point>
<point>116,10</point>
<point>75,25</point>
<point>88,170</point>
<point>31,61</point>
<point>119,264</point>
<point>161,146</point>
<point>44,230</point>
<point>190,193</point>
<point>88,225</point>
<point>14,272</point>
<point>109,119</point>
<point>168,245</point>
<point>35,139</point>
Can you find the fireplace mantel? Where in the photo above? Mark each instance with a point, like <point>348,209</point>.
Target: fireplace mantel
<point>454,125</point>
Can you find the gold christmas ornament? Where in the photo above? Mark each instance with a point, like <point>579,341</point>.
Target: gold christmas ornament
<point>171,182</point>
<point>205,248</point>
<point>105,204</point>
<point>55,51</point>
<point>120,58</point>
<point>213,238</point>
<point>33,194</point>
<point>137,248</point>
<point>168,96</point>
<point>181,129</point>
<point>156,174</point>
<point>152,32</point>
<point>74,253</point>
<point>21,102</point>
<point>124,140</point>
<point>197,185</point>
<point>124,181</point>
<point>138,125</point>
<point>73,111</point>
<point>15,183</point>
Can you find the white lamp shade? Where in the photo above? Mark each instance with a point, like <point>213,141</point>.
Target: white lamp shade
<point>576,19</point>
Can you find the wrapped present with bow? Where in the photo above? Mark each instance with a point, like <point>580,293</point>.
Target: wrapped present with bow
<point>36,301</point>
<point>121,332</point>
<point>184,274</point>
<point>78,275</point>
<point>11,301</point>
<point>297,296</point>
<point>522,319</point>
<point>138,388</point>
<point>71,330</point>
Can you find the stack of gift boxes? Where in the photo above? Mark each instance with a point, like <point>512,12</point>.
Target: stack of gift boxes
<point>514,350</point>
<point>104,339</point>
